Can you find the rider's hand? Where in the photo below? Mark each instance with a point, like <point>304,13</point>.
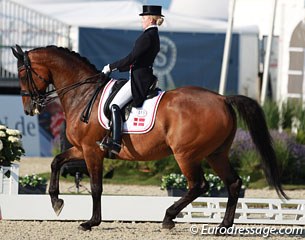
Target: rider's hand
<point>106,70</point>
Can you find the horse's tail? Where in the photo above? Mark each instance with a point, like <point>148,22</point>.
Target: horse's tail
<point>253,115</point>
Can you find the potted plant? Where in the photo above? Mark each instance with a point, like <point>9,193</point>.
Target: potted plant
<point>175,184</point>
<point>32,184</point>
<point>10,150</point>
<point>217,187</point>
<point>10,146</point>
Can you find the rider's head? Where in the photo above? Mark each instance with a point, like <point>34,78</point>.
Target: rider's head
<point>151,16</point>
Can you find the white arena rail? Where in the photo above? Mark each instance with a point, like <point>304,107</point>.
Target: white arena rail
<point>249,210</point>
<point>143,208</point>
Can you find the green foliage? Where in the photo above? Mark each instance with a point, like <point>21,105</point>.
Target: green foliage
<point>283,116</point>
<point>289,109</point>
<point>282,154</point>
<point>250,165</point>
<point>300,137</point>
<point>173,180</point>
<point>299,115</point>
<point>272,114</point>
<point>33,180</point>
<point>165,165</point>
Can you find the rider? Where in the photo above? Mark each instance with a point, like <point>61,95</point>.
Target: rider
<point>139,62</point>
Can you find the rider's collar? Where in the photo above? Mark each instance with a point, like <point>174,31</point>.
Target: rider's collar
<point>151,26</point>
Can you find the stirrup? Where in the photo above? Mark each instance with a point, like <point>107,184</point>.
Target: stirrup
<point>115,148</point>
<point>104,144</point>
<point>110,145</point>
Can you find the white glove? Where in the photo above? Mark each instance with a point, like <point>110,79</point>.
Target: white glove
<point>106,69</point>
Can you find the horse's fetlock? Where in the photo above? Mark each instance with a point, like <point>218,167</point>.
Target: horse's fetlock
<point>170,214</point>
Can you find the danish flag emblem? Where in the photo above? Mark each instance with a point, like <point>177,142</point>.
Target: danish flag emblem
<point>138,121</point>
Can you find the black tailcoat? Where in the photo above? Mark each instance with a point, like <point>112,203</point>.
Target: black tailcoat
<point>140,61</point>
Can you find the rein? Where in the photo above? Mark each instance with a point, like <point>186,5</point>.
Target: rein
<point>62,91</point>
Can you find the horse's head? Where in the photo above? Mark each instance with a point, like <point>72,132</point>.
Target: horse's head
<point>34,78</point>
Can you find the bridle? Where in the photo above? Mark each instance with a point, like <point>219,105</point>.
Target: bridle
<point>37,97</point>
<point>41,98</point>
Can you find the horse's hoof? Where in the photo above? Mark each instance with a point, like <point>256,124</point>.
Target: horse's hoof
<point>84,227</point>
<point>218,231</point>
<point>58,206</point>
<point>168,224</point>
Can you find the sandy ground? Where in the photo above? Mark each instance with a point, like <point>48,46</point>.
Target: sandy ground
<point>60,230</point>
<point>30,230</point>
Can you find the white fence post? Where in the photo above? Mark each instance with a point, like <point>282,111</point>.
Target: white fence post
<point>9,185</point>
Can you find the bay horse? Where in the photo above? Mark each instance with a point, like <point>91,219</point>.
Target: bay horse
<point>192,123</point>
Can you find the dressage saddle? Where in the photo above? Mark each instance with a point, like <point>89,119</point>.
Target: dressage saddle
<point>125,111</point>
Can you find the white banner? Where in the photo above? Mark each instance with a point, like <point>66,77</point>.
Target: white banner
<point>12,116</point>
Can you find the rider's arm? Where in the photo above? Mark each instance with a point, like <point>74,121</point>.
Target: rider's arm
<point>142,44</point>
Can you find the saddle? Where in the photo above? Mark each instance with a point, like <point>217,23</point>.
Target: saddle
<point>125,111</point>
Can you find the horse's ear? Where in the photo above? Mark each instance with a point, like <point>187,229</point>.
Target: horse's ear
<point>17,54</point>
<point>19,49</point>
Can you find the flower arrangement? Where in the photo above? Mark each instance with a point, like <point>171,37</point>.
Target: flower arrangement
<point>216,184</point>
<point>32,180</point>
<point>178,181</point>
<point>32,184</point>
<point>173,180</point>
<point>10,145</point>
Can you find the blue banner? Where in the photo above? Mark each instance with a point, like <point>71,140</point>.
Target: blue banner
<point>184,59</point>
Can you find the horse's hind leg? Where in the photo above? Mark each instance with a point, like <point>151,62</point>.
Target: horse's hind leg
<point>197,186</point>
<point>57,163</point>
<point>221,165</point>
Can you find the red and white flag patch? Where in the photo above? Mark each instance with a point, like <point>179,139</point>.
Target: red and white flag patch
<point>138,121</point>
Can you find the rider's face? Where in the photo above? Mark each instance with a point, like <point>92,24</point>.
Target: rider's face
<point>146,21</point>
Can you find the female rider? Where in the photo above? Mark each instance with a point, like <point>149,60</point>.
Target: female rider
<point>139,62</point>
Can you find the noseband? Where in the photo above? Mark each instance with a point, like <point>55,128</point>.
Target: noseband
<point>37,97</point>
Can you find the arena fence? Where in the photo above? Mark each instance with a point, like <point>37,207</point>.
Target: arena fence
<point>146,208</point>
<point>29,29</point>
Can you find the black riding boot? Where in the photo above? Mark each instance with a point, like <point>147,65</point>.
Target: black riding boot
<point>114,144</point>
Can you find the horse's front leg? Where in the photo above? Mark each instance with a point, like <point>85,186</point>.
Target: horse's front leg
<point>94,160</point>
<point>69,155</point>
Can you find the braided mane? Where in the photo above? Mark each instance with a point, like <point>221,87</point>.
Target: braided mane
<point>68,51</point>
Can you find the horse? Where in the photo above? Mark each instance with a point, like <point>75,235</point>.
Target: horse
<point>192,123</point>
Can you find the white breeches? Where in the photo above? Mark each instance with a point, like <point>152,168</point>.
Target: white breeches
<point>123,96</point>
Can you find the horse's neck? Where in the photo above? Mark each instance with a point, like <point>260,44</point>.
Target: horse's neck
<point>72,97</point>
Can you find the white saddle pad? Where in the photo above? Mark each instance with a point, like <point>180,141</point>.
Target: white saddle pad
<point>141,120</point>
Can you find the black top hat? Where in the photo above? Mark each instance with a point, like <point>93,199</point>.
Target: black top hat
<point>151,10</point>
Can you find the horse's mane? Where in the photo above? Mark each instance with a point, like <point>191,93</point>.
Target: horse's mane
<point>68,51</point>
